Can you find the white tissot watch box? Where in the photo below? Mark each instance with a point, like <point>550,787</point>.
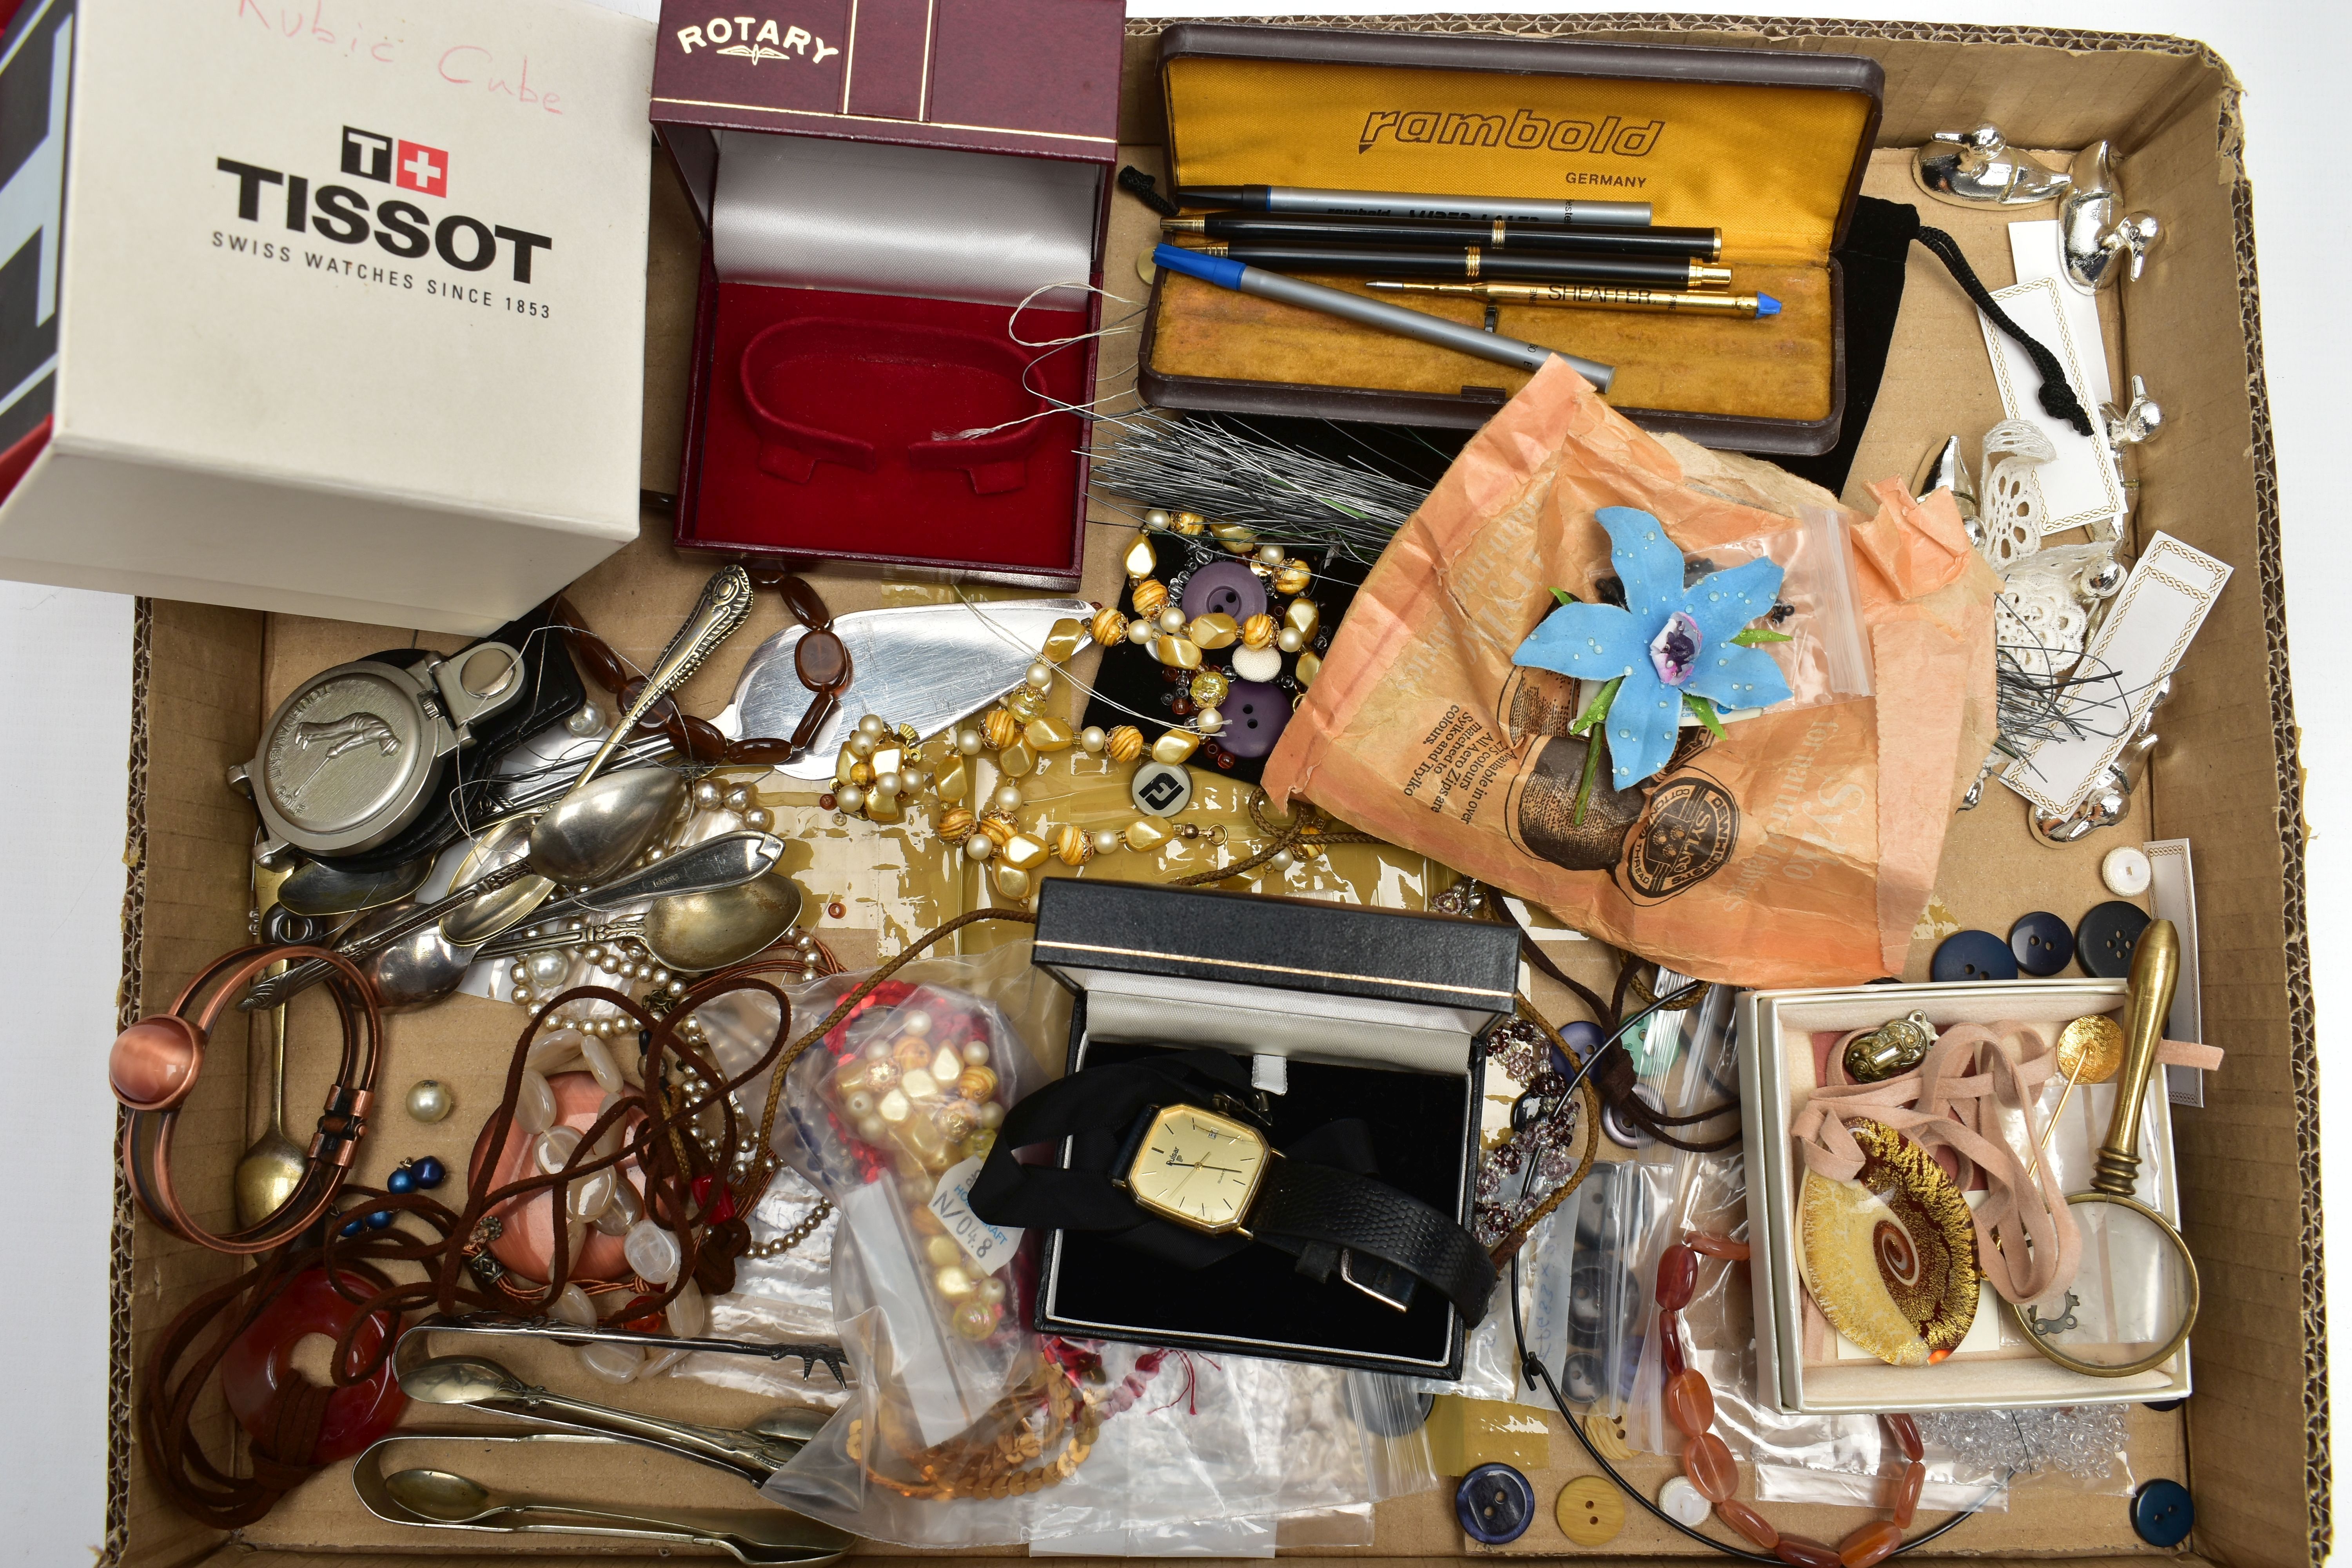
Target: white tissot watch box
<point>338,311</point>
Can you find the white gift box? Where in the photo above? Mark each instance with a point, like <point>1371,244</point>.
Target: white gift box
<point>333,312</point>
<point>1994,1368</point>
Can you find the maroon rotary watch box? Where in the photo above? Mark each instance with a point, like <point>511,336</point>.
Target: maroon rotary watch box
<point>903,205</point>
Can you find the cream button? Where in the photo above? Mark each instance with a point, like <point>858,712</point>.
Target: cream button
<point>2125,872</point>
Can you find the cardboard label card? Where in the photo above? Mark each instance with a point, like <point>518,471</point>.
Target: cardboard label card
<point>990,1246</point>
<point>2079,487</point>
<point>2147,630</point>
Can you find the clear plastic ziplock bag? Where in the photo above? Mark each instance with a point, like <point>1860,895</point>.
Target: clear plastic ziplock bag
<point>956,1433</point>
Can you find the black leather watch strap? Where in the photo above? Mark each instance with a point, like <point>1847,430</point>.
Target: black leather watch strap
<point>1320,1206</point>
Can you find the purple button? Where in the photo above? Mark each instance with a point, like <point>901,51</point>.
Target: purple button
<point>1224,588</point>
<point>1256,711</point>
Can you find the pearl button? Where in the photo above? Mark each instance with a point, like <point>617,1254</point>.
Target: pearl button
<point>2125,872</point>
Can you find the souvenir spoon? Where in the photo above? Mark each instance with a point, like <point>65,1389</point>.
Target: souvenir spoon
<point>315,887</point>
<point>267,1173</point>
<point>611,820</point>
<point>714,863</point>
<point>487,1385</point>
<point>577,841</point>
<point>765,1537</point>
<point>697,932</point>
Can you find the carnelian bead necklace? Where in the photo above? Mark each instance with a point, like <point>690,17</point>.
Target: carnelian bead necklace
<point>1707,1463</point>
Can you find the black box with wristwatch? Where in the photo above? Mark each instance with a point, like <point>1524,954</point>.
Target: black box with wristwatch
<point>1266,1136</point>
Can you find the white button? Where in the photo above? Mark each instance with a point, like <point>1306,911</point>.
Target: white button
<point>1684,1503</point>
<point>2125,872</point>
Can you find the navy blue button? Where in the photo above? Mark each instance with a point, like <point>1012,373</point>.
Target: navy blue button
<point>2040,943</point>
<point>1973,955</point>
<point>2162,1514</point>
<point>1496,1504</point>
<point>1582,1038</point>
<point>2106,938</point>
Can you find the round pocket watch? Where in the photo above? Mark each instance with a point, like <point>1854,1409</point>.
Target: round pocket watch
<point>353,756</point>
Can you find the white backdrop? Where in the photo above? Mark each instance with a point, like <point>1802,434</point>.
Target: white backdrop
<point>64,712</point>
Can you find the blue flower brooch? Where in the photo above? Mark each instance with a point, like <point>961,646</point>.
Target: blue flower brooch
<point>1672,648</point>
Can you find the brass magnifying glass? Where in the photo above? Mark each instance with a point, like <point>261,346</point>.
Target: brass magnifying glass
<point>2135,1297</point>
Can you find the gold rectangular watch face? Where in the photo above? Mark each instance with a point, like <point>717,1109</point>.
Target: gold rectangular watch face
<point>1198,1169</point>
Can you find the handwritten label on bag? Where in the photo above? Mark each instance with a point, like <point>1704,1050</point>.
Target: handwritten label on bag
<point>990,1246</point>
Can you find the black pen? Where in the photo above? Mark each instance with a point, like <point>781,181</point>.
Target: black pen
<point>1471,263</point>
<point>1499,233</point>
<point>1314,202</point>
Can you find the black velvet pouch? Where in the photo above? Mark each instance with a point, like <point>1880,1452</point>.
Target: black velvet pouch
<point>1876,250</point>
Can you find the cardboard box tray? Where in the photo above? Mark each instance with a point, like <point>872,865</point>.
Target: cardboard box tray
<point>2253,1444</point>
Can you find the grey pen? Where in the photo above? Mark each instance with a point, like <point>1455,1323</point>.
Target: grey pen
<point>1417,324</point>
<point>1314,202</point>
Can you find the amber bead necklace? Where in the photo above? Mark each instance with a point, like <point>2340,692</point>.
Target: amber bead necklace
<point>1689,1404</point>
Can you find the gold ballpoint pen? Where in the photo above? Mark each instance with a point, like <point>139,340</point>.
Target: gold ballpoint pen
<point>1593,297</point>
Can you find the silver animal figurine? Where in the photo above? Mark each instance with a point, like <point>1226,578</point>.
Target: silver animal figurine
<point>1976,168</point>
<point>2102,240</point>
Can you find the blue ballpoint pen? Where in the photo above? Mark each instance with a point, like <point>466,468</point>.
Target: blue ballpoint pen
<point>1418,324</point>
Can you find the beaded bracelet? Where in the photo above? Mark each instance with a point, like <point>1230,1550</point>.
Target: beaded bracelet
<point>1707,1463</point>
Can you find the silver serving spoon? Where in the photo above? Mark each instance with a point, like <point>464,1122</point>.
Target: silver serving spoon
<point>485,1385</point>
<point>267,1173</point>
<point>763,1538</point>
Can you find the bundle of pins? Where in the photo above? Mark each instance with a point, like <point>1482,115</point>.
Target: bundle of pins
<point>1285,494</point>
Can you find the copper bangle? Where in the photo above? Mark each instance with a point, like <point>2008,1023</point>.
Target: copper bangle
<point>147,1131</point>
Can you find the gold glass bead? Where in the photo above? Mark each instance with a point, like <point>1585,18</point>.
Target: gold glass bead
<point>1258,631</point>
<point>1190,523</point>
<point>977,1084</point>
<point>1179,653</point>
<point>1309,665</point>
<point>1011,882</point>
<point>1146,833</point>
<point>885,807</point>
<point>1149,596</point>
<point>1067,637</point>
<point>889,759</point>
<point>1123,744</point>
<point>956,825</point>
<point>1022,852</point>
<point>1016,759</point>
<point>953,778</point>
<point>845,766</point>
<point>1075,845</point>
<point>1209,688</point>
<point>1175,746</point>
<point>1001,728</point>
<point>861,774</point>
<point>1292,577</point>
<point>1236,537</point>
<point>1302,618</point>
<point>1108,626</point>
<point>1214,630</point>
<point>1025,704</point>
<point>1139,560</point>
<point>1000,828</point>
<point>1047,736</point>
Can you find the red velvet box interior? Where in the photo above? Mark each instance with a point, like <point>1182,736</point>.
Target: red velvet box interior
<point>882,395</point>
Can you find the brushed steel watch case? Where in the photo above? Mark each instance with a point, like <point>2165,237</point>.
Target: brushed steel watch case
<point>348,759</point>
